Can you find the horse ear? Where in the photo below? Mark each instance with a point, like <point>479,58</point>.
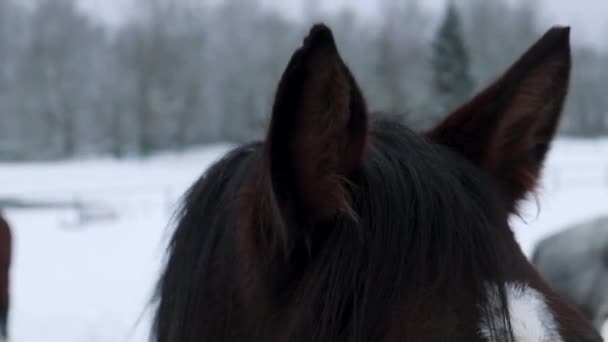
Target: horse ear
<point>507,129</point>
<point>318,129</point>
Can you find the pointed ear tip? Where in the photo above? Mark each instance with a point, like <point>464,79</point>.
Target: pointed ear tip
<point>319,34</point>
<point>562,29</point>
<point>320,29</point>
<point>560,34</point>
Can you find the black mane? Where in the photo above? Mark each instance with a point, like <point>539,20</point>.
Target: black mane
<point>427,222</point>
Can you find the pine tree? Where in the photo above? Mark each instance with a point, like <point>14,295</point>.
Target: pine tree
<point>452,81</point>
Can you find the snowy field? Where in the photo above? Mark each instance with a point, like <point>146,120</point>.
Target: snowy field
<point>81,280</point>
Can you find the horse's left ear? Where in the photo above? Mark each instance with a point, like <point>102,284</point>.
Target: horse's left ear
<point>318,129</point>
<point>507,129</point>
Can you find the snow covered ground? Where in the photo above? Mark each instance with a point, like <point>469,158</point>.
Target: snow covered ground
<point>91,282</point>
<point>574,189</point>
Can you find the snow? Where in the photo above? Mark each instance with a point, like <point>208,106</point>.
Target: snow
<point>92,282</point>
<point>574,189</point>
<point>88,278</point>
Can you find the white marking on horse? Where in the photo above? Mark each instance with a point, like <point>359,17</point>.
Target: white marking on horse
<point>530,316</point>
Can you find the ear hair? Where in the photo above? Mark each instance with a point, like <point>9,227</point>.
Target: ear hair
<point>507,129</point>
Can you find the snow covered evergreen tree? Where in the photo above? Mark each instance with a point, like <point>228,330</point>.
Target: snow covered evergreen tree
<point>452,82</point>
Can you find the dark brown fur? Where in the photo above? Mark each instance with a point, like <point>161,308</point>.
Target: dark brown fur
<point>5,263</point>
<point>343,226</point>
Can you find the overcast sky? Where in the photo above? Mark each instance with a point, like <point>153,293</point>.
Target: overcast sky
<point>588,18</point>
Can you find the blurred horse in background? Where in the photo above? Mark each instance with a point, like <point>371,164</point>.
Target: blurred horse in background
<point>575,263</point>
<point>5,263</point>
<point>346,226</point>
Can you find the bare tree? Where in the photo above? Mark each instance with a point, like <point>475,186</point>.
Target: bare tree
<point>587,108</point>
<point>162,51</point>
<point>497,32</point>
<point>402,52</point>
<point>55,75</point>
<point>12,37</point>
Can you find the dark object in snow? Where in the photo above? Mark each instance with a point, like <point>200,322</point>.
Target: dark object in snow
<point>5,265</point>
<point>90,213</point>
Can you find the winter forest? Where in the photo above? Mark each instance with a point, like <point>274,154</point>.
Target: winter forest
<point>106,124</point>
<point>180,73</point>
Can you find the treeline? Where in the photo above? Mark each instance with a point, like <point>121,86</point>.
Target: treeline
<point>180,73</point>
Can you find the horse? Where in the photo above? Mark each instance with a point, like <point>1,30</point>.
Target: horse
<point>5,263</point>
<point>574,262</point>
<point>344,224</point>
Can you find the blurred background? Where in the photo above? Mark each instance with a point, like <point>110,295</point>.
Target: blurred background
<point>110,109</point>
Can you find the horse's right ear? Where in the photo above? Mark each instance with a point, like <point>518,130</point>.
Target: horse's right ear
<point>507,128</point>
<point>318,130</point>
